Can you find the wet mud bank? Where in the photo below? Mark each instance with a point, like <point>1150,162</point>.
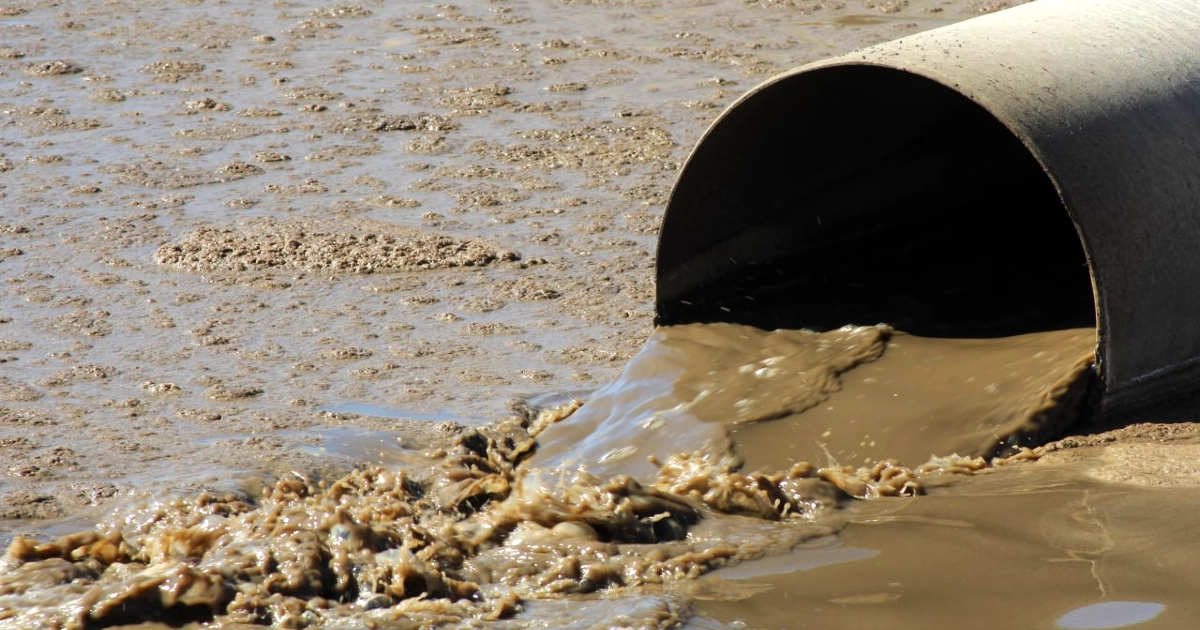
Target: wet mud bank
<point>269,274</point>
<point>223,229</point>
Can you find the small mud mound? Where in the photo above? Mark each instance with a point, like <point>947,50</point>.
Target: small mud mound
<point>362,247</point>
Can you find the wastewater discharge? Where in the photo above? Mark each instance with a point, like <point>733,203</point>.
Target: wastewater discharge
<point>718,445</point>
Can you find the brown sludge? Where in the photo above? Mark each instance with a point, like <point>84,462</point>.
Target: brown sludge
<point>145,399</point>
<point>856,396</point>
<point>480,530</point>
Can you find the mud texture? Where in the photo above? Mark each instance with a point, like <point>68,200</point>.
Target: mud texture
<point>480,530</point>
<point>308,245</point>
<point>469,537</point>
<point>238,241</point>
<point>477,189</point>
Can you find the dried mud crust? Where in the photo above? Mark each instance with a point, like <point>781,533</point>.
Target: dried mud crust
<point>471,538</point>
<point>367,247</point>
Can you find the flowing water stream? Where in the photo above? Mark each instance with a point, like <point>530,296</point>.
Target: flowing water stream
<point>664,495</point>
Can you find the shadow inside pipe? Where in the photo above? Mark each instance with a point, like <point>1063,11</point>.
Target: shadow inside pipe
<point>860,194</point>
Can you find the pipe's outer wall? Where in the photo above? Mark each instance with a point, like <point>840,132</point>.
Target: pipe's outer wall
<point>1105,95</point>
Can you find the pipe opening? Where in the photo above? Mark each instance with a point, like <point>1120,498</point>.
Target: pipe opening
<point>861,194</point>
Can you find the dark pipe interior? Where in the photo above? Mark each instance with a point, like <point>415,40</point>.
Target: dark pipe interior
<point>860,194</point>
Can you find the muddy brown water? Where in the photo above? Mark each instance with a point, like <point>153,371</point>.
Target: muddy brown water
<point>506,521</point>
<point>854,396</point>
<point>257,246</point>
